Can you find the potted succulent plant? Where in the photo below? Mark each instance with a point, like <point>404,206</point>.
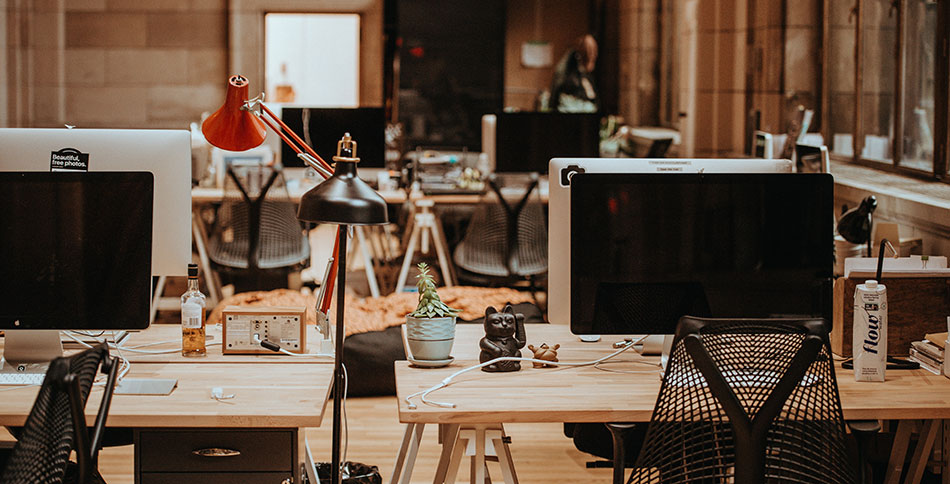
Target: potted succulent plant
<point>430,329</point>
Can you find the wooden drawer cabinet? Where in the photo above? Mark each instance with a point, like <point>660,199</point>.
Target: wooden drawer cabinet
<point>215,455</point>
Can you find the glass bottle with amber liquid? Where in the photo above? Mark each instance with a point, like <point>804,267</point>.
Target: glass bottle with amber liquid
<point>193,317</point>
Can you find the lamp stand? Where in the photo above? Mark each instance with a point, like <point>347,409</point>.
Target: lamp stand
<point>338,382</point>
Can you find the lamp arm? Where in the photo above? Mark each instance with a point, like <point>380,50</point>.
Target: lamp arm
<point>314,163</point>
<point>306,153</point>
<point>284,128</point>
<point>259,109</point>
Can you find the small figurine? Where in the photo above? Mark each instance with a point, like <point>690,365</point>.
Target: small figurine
<point>546,353</point>
<point>504,336</point>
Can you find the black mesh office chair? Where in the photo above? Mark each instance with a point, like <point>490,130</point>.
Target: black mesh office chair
<point>747,401</point>
<point>56,425</point>
<point>505,242</point>
<point>257,228</point>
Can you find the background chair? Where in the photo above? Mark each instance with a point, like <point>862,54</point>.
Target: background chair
<point>257,230</point>
<point>505,241</point>
<point>751,400</point>
<point>56,425</point>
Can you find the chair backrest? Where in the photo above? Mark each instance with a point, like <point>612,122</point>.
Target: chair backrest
<point>507,236</point>
<point>56,424</point>
<point>747,401</point>
<point>257,224</point>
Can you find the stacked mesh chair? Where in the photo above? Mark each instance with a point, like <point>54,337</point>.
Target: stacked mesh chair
<point>256,228</point>
<point>747,402</point>
<point>505,242</point>
<point>56,425</point>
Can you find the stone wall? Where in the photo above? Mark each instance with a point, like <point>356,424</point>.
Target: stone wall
<point>116,63</point>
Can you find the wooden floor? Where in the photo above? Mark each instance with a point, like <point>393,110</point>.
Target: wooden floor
<point>541,452</point>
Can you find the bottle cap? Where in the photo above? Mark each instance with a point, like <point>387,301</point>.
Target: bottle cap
<point>871,284</point>
<point>192,270</point>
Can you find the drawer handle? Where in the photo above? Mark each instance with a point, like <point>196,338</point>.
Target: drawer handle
<point>216,452</point>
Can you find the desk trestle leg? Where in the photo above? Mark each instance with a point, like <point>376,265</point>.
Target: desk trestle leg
<point>407,454</point>
<point>481,442</point>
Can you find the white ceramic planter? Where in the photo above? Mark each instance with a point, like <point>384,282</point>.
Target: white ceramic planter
<point>430,338</point>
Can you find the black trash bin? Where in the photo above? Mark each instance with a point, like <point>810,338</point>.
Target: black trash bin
<point>353,473</point>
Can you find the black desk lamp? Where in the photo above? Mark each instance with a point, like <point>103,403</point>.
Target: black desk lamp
<point>345,200</point>
<point>855,224</point>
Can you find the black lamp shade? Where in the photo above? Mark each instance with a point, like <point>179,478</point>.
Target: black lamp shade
<point>855,224</point>
<point>343,199</point>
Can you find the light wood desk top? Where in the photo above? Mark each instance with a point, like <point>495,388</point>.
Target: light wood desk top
<point>589,394</point>
<point>266,392</point>
<point>264,396</point>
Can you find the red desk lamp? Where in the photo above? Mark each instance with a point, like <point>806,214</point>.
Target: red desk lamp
<point>343,199</point>
<point>241,124</point>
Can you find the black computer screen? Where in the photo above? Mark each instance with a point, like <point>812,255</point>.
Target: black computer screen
<point>526,142</point>
<point>326,126</point>
<point>647,249</point>
<point>77,250</point>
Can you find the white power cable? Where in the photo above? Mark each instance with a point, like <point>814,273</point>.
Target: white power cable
<point>444,383</point>
<point>346,427</point>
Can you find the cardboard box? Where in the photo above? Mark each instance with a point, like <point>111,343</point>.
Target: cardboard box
<point>916,306</point>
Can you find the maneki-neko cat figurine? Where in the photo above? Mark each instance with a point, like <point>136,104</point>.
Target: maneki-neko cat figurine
<point>504,336</point>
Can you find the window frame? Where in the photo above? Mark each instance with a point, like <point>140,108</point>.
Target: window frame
<point>941,91</point>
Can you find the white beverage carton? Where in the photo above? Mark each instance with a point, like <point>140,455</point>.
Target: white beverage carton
<point>869,334</point>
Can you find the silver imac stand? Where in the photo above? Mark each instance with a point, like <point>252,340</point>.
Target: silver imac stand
<point>657,344</point>
<point>27,346</point>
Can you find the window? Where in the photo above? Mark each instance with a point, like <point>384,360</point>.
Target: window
<point>312,59</point>
<point>883,103</point>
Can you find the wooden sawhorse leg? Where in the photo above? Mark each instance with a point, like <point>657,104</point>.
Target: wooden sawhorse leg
<point>425,224</point>
<point>408,451</point>
<point>918,462</point>
<point>480,437</point>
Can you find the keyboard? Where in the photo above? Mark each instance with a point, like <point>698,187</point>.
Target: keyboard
<point>28,374</point>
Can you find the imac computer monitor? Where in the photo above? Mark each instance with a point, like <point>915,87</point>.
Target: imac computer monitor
<point>77,252</point>
<point>164,153</point>
<point>762,145</point>
<point>647,249</point>
<point>323,128</point>
<point>525,142</point>
<point>559,206</point>
<point>812,159</point>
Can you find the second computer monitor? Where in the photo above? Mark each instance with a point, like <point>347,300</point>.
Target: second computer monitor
<point>647,249</point>
<point>562,171</point>
<point>526,141</point>
<point>323,128</point>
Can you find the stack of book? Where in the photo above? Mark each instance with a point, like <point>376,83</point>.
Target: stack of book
<point>929,352</point>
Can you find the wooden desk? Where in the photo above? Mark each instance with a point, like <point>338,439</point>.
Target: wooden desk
<point>590,395</point>
<point>272,402</point>
<point>205,195</point>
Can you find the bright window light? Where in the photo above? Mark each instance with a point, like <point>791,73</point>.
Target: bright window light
<point>312,59</point>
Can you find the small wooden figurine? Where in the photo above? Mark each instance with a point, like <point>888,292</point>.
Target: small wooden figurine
<point>546,353</point>
<point>504,336</point>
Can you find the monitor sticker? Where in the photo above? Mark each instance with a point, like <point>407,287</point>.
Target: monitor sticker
<point>68,159</point>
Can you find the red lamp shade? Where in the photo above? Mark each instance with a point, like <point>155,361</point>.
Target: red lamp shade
<point>233,128</point>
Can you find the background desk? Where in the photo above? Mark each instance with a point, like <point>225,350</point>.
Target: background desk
<point>204,196</point>
<point>273,400</point>
<point>590,395</point>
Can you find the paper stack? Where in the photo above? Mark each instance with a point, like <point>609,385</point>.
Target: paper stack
<point>929,352</point>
